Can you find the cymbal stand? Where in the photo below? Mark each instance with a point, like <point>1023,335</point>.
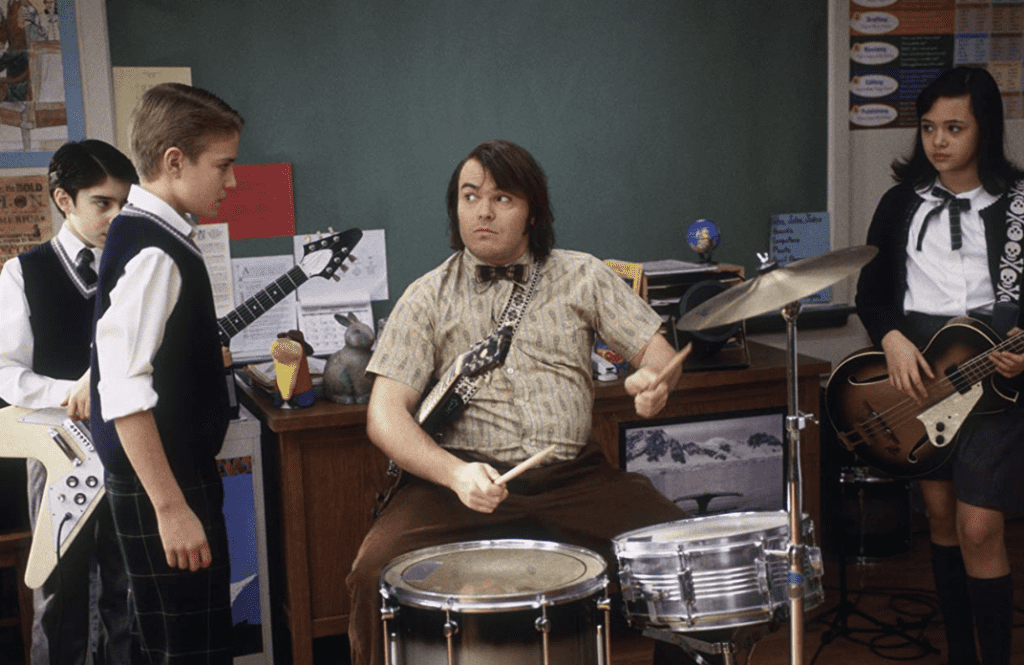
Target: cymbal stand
<point>795,421</point>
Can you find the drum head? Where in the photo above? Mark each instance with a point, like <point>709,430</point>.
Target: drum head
<point>712,530</point>
<point>493,575</point>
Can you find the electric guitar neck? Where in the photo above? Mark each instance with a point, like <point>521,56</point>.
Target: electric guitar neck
<point>322,257</point>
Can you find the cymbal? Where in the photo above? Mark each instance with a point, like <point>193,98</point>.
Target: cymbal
<point>777,288</point>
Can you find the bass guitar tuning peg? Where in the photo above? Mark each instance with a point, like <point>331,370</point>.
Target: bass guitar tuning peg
<point>330,230</point>
<point>336,278</point>
<point>352,258</point>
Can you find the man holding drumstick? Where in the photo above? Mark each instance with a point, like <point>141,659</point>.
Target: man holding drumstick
<point>535,408</point>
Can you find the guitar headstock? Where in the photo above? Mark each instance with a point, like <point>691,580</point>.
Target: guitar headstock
<point>487,353</point>
<point>326,255</point>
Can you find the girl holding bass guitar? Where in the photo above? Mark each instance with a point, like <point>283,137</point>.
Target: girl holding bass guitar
<point>948,236</point>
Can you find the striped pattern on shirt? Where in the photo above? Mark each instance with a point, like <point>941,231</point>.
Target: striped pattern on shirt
<point>544,393</point>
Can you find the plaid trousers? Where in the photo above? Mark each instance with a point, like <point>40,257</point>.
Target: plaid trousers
<point>183,618</point>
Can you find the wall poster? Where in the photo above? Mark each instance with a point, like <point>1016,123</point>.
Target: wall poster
<point>41,104</point>
<point>897,47</point>
<point>24,214</point>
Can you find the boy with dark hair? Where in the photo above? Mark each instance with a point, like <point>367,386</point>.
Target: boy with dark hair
<point>159,401</point>
<point>47,295</point>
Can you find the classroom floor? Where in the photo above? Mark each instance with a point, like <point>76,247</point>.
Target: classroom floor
<point>894,591</point>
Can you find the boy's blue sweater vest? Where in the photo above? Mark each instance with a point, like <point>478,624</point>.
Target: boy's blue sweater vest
<point>188,371</point>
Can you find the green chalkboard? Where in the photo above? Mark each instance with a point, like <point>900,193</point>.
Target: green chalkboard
<point>645,115</point>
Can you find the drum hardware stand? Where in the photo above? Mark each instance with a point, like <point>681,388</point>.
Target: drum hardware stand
<point>795,421</point>
<point>741,640</point>
<point>844,609</point>
<point>772,288</point>
<point>604,633</point>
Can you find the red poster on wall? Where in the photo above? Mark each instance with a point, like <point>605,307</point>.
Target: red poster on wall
<point>261,205</point>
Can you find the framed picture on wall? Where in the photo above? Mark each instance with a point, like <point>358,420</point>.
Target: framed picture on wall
<point>721,463</point>
<point>41,101</point>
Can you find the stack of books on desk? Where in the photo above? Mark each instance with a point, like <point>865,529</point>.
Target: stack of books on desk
<point>667,281</point>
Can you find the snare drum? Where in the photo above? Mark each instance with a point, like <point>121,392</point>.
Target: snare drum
<point>719,571</point>
<point>514,602</point>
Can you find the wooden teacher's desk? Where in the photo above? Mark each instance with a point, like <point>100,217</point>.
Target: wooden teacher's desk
<point>329,474</point>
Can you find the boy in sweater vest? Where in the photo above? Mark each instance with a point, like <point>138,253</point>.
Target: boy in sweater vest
<point>159,400</point>
<point>47,295</point>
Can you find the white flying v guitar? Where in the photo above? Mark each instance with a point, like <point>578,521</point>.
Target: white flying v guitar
<point>74,476</point>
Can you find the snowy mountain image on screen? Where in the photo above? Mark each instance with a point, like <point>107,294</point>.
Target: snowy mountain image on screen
<point>713,466</point>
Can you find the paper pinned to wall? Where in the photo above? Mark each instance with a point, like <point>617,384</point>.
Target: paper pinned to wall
<point>796,236</point>
<point>130,83</point>
<point>322,330</point>
<point>367,274</point>
<point>212,240</point>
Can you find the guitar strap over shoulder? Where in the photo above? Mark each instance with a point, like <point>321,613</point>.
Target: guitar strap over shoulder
<point>1011,264</point>
<point>444,402</point>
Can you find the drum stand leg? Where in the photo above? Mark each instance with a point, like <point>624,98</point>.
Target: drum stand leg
<point>844,609</point>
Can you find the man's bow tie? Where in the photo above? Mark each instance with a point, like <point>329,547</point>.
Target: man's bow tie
<point>516,273</point>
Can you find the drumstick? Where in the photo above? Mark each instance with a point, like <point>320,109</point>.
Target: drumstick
<point>676,361</point>
<point>524,465</point>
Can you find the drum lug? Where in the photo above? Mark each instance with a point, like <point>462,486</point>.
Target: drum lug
<point>450,628</point>
<point>626,584</point>
<point>689,594</point>
<point>761,568</point>
<point>812,562</point>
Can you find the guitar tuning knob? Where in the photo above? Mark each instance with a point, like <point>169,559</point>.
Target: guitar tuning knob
<point>330,230</point>
<point>335,278</point>
<point>352,258</point>
<point>344,268</point>
<point>306,239</point>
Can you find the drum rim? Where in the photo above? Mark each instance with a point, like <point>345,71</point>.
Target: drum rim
<point>435,600</point>
<point>625,542</point>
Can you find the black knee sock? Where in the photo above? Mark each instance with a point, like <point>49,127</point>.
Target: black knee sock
<point>992,604</point>
<point>954,603</point>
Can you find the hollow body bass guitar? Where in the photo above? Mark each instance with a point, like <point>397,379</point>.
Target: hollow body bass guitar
<point>894,434</point>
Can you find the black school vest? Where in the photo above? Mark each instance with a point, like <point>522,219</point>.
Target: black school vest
<point>60,313</point>
<point>188,376</point>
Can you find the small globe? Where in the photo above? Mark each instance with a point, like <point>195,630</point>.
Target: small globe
<point>703,236</point>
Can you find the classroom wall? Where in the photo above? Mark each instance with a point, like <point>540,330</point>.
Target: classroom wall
<point>646,116</point>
